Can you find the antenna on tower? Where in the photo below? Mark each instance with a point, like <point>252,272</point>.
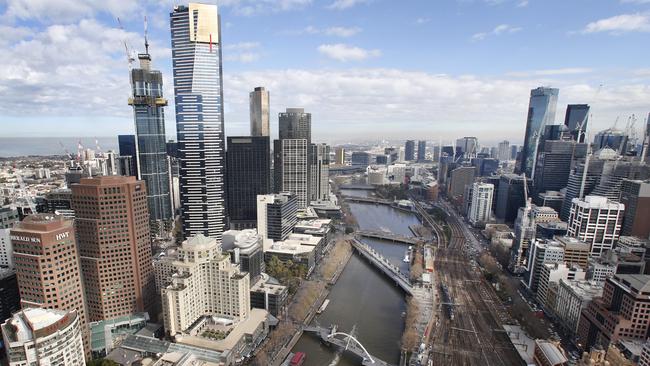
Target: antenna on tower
<point>146,40</point>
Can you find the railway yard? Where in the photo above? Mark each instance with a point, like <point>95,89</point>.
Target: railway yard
<point>469,328</point>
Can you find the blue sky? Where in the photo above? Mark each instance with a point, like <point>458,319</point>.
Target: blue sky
<point>438,69</point>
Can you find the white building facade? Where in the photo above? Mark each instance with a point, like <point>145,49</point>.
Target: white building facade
<point>597,221</point>
<point>481,207</point>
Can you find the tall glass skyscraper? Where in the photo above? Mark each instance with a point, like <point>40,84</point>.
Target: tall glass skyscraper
<point>151,147</point>
<point>198,89</point>
<point>576,118</point>
<point>541,112</point>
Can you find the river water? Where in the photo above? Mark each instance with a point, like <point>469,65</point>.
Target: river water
<point>363,300</point>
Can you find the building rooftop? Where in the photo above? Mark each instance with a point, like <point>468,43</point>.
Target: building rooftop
<point>636,283</point>
<point>31,323</point>
<point>199,242</point>
<point>584,289</point>
<point>551,351</point>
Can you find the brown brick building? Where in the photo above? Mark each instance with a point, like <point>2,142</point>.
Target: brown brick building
<point>622,312</point>
<point>47,266</point>
<point>112,224</point>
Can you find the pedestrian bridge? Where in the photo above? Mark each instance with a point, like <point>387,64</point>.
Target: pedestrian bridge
<point>345,342</point>
<point>384,265</point>
<point>383,235</point>
<point>364,187</point>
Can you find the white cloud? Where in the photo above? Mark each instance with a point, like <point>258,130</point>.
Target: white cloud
<point>335,31</point>
<point>551,72</point>
<point>522,4</point>
<point>345,4</point>
<point>343,52</point>
<point>67,10</point>
<point>498,30</point>
<point>636,1</point>
<point>618,24</point>
<point>342,31</point>
<point>244,52</point>
<point>260,7</point>
<point>422,20</point>
<point>368,103</point>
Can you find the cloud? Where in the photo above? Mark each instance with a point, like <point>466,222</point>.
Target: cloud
<point>422,20</point>
<point>244,52</point>
<point>618,24</point>
<point>260,7</point>
<point>551,72</point>
<point>343,52</point>
<point>67,10</point>
<point>522,4</point>
<point>636,1</point>
<point>345,4</point>
<point>498,30</point>
<point>367,102</point>
<point>342,31</point>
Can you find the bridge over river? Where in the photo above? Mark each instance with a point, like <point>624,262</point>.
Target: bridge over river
<point>384,265</point>
<point>345,342</point>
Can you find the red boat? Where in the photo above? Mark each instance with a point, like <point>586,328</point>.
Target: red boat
<point>298,359</point>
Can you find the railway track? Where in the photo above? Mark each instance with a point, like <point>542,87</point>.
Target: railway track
<point>475,335</point>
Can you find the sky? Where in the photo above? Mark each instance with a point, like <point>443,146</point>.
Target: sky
<point>365,69</point>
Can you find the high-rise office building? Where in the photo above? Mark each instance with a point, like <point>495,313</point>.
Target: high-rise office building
<point>503,151</point>
<point>35,336</point>
<point>541,113</point>
<point>295,124</point>
<point>198,91</point>
<point>112,227</point>
<point>248,174</point>
<point>148,107</point>
<point>514,149</point>
<point>8,217</point>
<point>468,146</point>
<point>360,159</point>
<point>480,210</point>
<point>204,282</point>
<point>510,196</point>
<point>276,215</point>
<point>260,111</point>
<point>635,195</point>
<point>9,293</point>
<point>620,313</point>
<point>576,119</point>
<point>48,267</point>
<point>611,138</point>
<point>553,165</point>
<point>409,150</point>
<point>128,155</point>
<point>596,221</point>
<point>541,253</point>
<point>339,155</point>
<point>291,168</point>
<point>319,175</point>
<point>460,178</point>
<point>422,150</point>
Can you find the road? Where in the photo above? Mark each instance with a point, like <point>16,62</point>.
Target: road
<point>474,336</point>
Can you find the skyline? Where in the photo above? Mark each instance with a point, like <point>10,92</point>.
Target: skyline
<point>340,62</point>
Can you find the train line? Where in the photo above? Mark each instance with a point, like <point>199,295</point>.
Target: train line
<point>469,330</point>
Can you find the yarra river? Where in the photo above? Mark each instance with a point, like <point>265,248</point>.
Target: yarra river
<point>363,301</point>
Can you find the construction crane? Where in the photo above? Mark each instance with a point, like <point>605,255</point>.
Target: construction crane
<point>129,54</point>
<point>67,152</point>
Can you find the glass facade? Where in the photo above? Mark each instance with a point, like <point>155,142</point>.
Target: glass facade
<point>577,117</point>
<point>541,112</point>
<point>151,146</point>
<point>198,92</point>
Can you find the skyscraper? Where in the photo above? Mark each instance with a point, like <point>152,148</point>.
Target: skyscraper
<point>291,168</point>
<point>480,209</point>
<point>576,119</point>
<point>112,227</point>
<point>292,155</point>
<point>422,150</point>
<point>260,111</point>
<point>276,215</point>
<point>295,124</point>
<point>409,150</point>
<point>198,91</point>
<point>48,267</point>
<point>128,155</point>
<point>554,164</point>
<point>339,155</point>
<point>248,174</point>
<point>148,103</point>
<point>468,146</point>
<point>503,153</point>
<point>541,113</point>
<point>319,175</point>
<point>596,221</point>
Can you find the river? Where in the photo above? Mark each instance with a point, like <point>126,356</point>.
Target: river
<point>363,299</point>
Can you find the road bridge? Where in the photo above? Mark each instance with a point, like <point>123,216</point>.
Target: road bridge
<point>380,201</point>
<point>345,342</point>
<point>383,235</point>
<point>384,265</point>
